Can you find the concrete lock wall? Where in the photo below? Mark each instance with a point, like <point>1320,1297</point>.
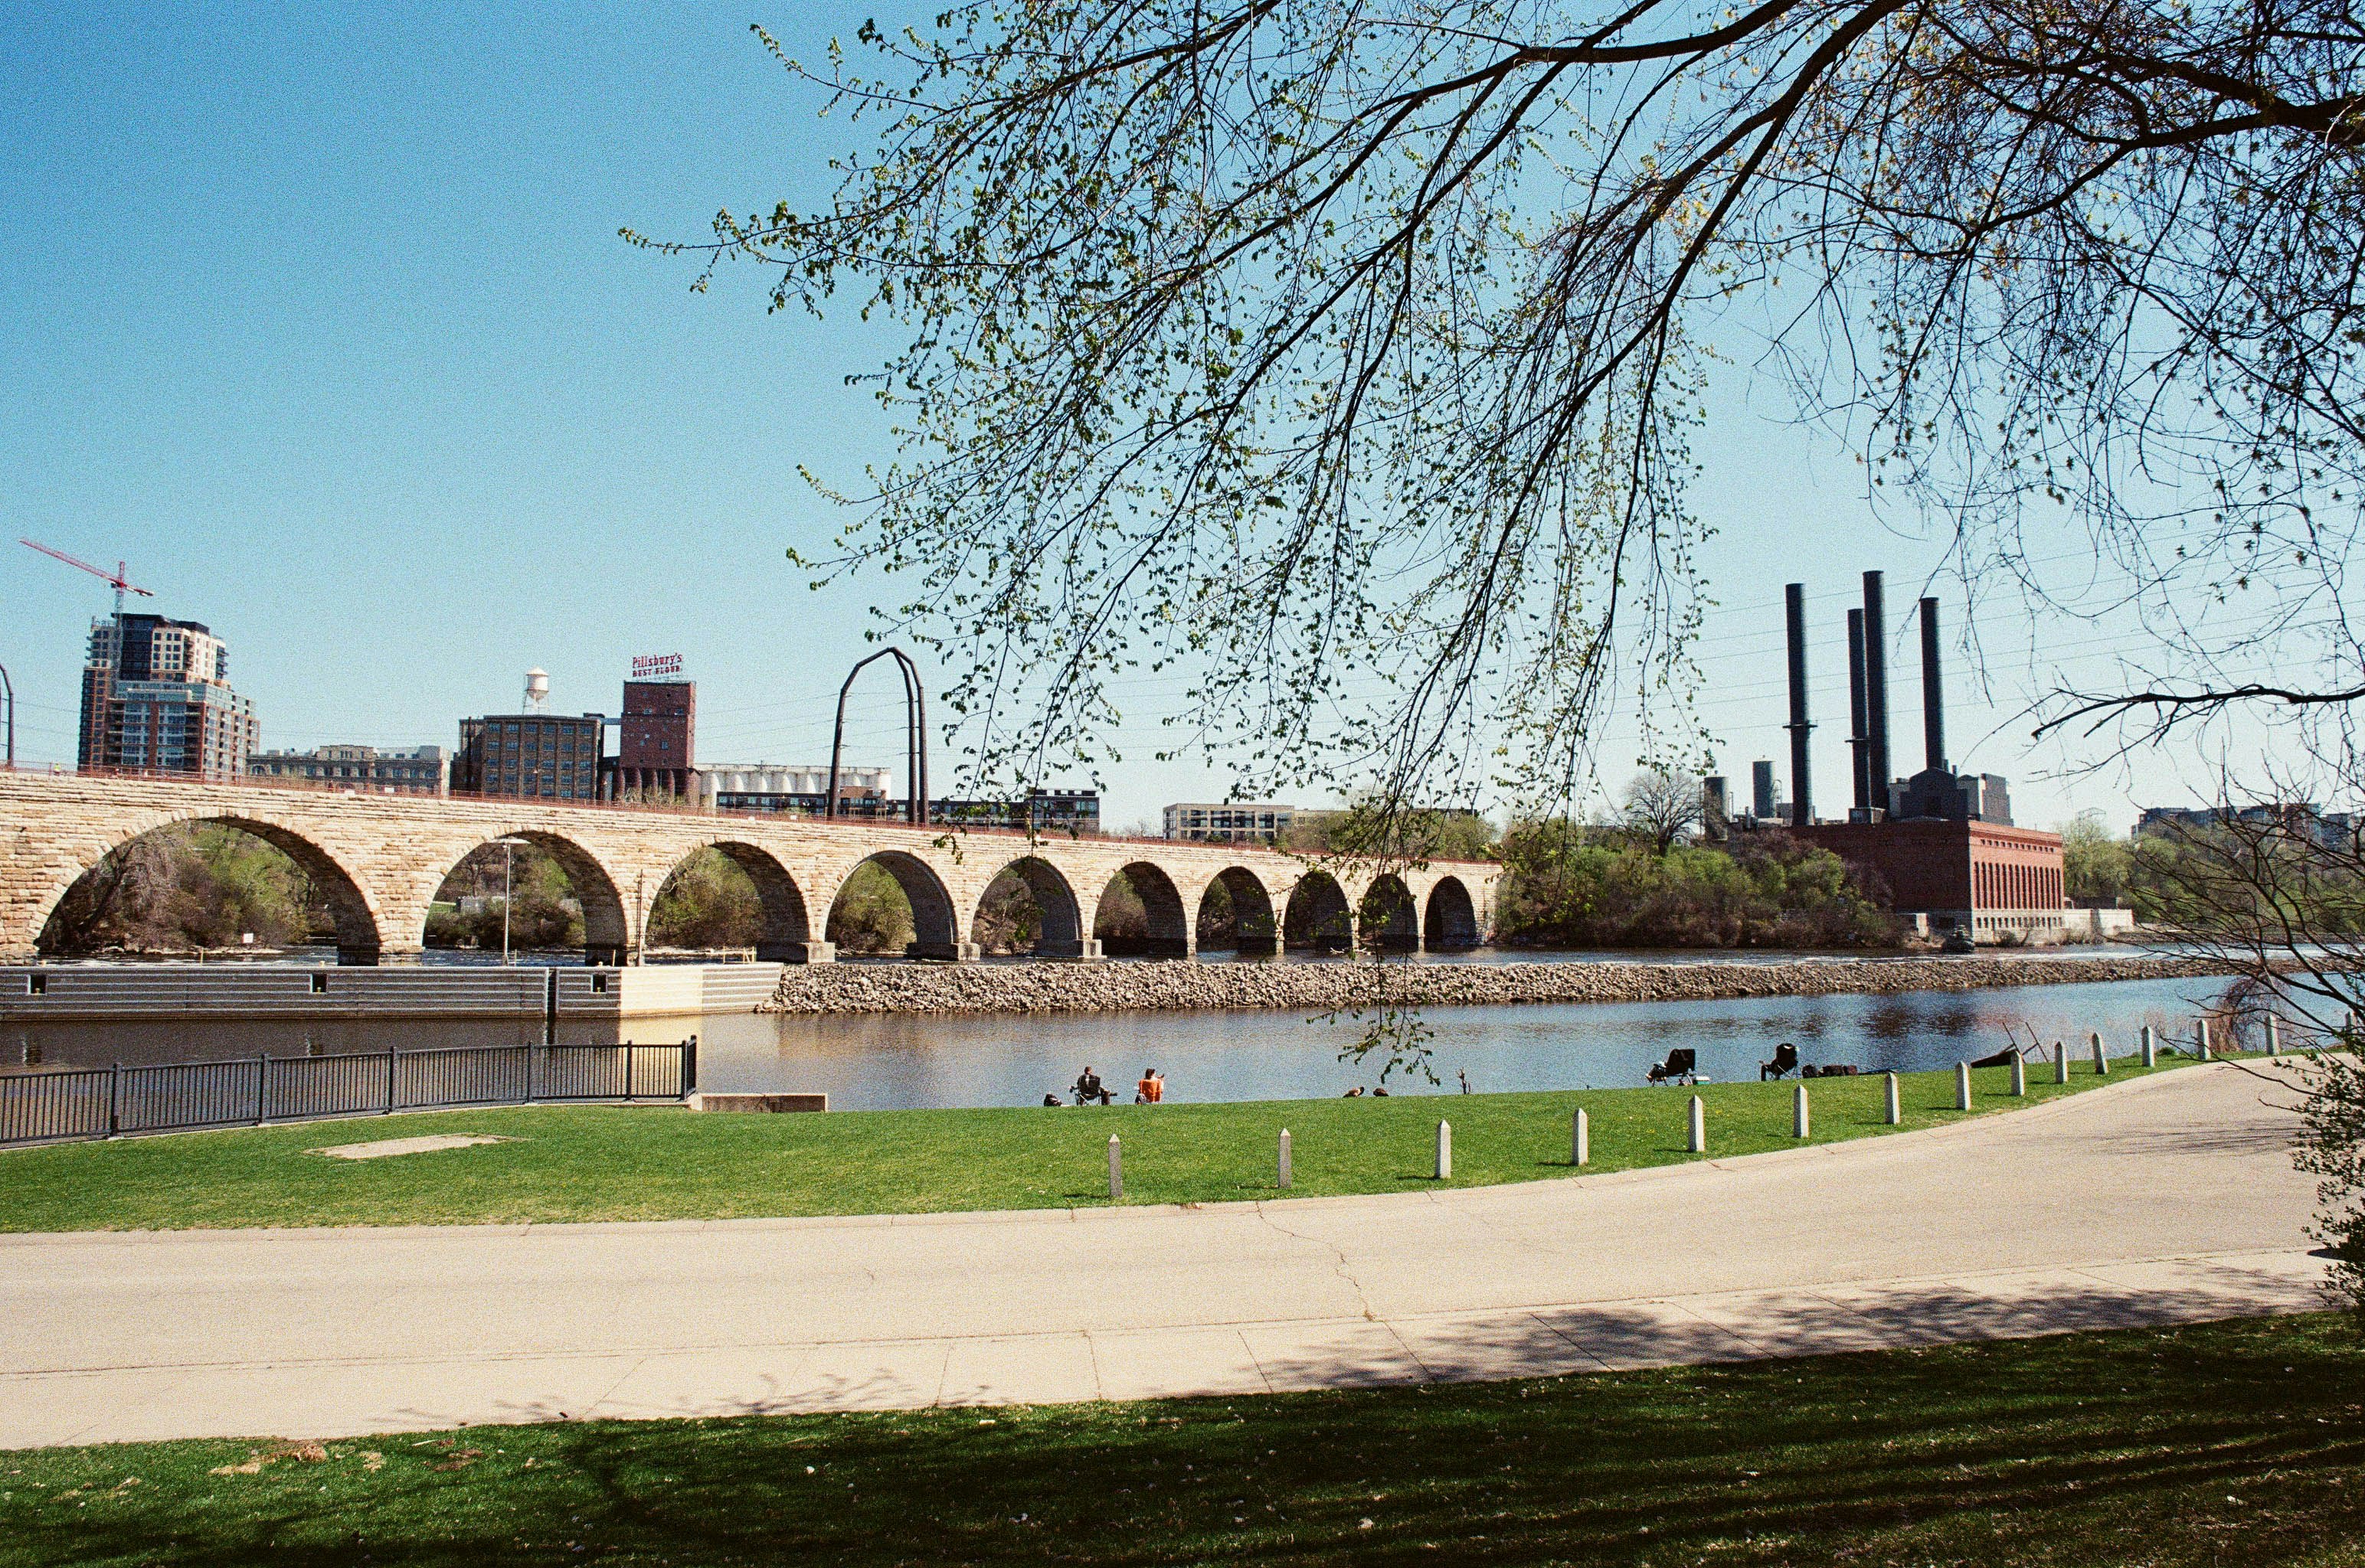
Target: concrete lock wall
<point>380,860</point>
<point>48,993</point>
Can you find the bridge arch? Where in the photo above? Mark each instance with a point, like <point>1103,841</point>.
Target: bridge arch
<point>608,934</point>
<point>1318,915</point>
<point>936,924</point>
<point>1166,931</point>
<point>784,924</point>
<point>1388,917</point>
<point>356,915</point>
<point>1060,931</point>
<point>1452,919</point>
<point>1243,921</point>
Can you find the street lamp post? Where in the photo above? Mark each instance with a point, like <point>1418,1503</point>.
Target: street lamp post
<point>509,846</point>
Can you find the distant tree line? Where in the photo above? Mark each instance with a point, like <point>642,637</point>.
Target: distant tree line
<point>2200,879</point>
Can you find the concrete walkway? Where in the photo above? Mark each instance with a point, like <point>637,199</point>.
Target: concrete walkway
<point>2165,1199</point>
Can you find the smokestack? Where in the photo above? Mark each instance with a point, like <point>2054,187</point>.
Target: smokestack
<point>1876,690</point>
<point>1802,811</point>
<point>1933,702</point>
<point>1859,755</point>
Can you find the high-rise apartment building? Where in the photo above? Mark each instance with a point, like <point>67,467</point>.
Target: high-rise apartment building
<point>156,699</point>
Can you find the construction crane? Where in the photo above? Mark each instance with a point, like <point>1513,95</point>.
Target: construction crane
<point>114,578</point>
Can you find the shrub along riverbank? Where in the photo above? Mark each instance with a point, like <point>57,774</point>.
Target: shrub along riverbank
<point>2172,1448</point>
<point>601,1162</point>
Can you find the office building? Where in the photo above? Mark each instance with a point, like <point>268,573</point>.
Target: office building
<point>156,699</point>
<point>1233,822</point>
<point>2296,819</point>
<point>420,770</point>
<point>1042,811</point>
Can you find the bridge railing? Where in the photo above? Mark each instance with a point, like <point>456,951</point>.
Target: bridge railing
<point>59,1104</point>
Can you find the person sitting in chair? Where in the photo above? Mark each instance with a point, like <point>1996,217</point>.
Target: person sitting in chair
<point>1089,1088</point>
<point>1785,1059</point>
<point>1679,1067</point>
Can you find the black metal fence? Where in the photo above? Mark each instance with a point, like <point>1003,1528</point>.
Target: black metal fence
<point>106,1101</point>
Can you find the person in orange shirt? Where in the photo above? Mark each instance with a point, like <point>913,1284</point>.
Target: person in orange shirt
<point>1151,1090</point>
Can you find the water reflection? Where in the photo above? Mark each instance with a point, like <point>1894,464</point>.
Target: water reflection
<point>903,1060</point>
<point>898,1060</point>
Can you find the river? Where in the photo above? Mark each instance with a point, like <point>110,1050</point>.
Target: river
<point>904,1060</point>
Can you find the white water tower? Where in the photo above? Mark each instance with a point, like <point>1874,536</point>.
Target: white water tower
<point>537,690</point>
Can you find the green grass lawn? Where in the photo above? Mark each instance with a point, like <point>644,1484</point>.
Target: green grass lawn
<point>2228,1443</point>
<point>647,1162</point>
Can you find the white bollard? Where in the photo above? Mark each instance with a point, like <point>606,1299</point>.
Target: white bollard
<point>2019,1076</point>
<point>1445,1151</point>
<point>2274,1035</point>
<point>2150,1044</point>
<point>2060,1063</point>
<point>1799,1122</point>
<point>1896,1112</point>
<point>1284,1160</point>
<point>1580,1138</point>
<point>1962,1086</point>
<point>1698,1127</point>
<point>1116,1170</point>
<point>2201,1038</point>
<point>2102,1056</point>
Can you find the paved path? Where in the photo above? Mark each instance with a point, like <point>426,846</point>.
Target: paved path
<point>2165,1199</point>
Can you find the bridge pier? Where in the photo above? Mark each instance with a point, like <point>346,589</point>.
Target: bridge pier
<point>796,952</point>
<point>946,952</point>
<point>1081,950</point>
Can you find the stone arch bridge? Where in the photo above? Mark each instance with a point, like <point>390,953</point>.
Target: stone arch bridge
<point>381,858</point>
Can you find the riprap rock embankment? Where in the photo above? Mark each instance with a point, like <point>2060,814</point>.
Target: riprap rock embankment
<point>1321,987</point>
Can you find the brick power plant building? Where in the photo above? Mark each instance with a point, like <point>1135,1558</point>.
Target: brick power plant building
<point>1943,844</point>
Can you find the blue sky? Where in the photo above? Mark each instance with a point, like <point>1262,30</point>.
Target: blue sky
<point>320,321</point>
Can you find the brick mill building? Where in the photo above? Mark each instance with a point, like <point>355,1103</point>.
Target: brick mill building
<point>1985,878</point>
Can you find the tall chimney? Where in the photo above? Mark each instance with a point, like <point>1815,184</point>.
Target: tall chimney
<point>1859,755</point>
<point>1802,811</point>
<point>1875,689</point>
<point>1933,702</point>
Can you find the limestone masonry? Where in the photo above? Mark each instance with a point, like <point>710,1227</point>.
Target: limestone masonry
<point>379,859</point>
<point>1111,988</point>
